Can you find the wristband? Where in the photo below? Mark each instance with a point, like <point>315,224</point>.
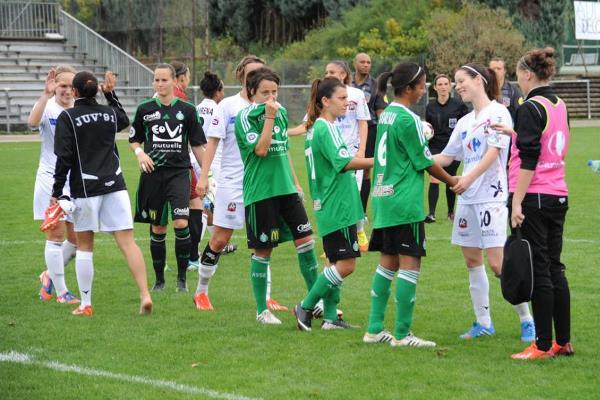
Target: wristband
<point>269,117</point>
<point>138,150</point>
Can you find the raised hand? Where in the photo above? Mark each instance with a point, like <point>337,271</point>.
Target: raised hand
<point>50,84</point>
<point>109,83</point>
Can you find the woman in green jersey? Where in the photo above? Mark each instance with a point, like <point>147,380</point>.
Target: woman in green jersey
<point>273,208</point>
<point>401,158</point>
<point>336,200</point>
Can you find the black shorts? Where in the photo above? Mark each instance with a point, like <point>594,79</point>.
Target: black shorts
<point>276,220</point>
<point>406,240</point>
<point>160,189</point>
<point>371,137</point>
<point>341,244</point>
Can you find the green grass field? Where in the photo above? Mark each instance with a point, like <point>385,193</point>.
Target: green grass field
<point>179,352</point>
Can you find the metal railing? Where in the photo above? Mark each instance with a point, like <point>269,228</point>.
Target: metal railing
<point>130,71</point>
<point>28,20</point>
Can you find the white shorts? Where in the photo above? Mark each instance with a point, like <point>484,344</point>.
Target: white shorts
<point>229,208</point>
<point>106,213</point>
<point>480,225</point>
<point>42,192</point>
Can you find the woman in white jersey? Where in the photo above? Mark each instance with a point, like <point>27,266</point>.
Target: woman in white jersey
<point>57,96</point>
<point>481,216</point>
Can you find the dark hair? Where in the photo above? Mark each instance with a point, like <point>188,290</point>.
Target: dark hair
<point>498,59</point>
<point>440,76</point>
<point>180,68</point>
<point>254,78</point>
<point>320,88</point>
<point>210,84</point>
<point>405,75</point>
<point>343,65</point>
<point>249,59</point>
<point>488,77</point>
<point>86,84</point>
<point>539,61</point>
<point>166,66</point>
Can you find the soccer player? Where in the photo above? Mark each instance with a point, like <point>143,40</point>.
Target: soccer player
<point>336,200</point>
<point>510,95</point>
<point>539,199</point>
<point>165,126</point>
<point>481,214</point>
<point>368,85</point>
<point>85,146</point>
<point>57,96</point>
<point>182,80</point>
<point>442,113</point>
<point>273,208</point>
<point>398,234</point>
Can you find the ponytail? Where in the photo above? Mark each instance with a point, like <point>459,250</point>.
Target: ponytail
<point>405,75</point>
<point>320,88</point>
<point>488,78</point>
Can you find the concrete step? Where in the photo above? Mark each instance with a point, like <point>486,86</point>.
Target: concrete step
<point>43,69</point>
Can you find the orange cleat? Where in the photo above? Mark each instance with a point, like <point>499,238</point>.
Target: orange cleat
<point>46,288</point>
<point>274,305</point>
<point>53,215</point>
<point>67,298</point>
<point>86,311</point>
<point>202,302</point>
<point>532,353</point>
<point>566,350</point>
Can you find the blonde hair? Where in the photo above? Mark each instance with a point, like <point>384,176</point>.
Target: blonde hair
<point>249,59</point>
<point>62,68</point>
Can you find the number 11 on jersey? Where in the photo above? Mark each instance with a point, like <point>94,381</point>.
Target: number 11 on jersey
<point>311,162</point>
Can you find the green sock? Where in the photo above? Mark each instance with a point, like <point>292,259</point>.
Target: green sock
<point>380,293</point>
<point>406,290</point>
<point>307,259</point>
<point>258,276</point>
<point>330,303</point>
<point>318,291</point>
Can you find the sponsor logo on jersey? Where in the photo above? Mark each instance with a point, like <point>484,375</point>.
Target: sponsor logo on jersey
<point>109,183</point>
<point>251,137</point>
<point>151,117</point>
<point>215,121</point>
<point>231,207</point>
<point>181,211</point>
<point>303,228</point>
<point>231,120</point>
<point>131,132</point>
<point>557,143</point>
<point>172,135</point>
<point>179,115</point>
<point>343,153</point>
<point>463,135</point>
<point>474,145</point>
<point>52,121</point>
<point>205,111</point>
<point>383,191</point>
<point>94,117</point>
<point>462,223</point>
<point>275,235</point>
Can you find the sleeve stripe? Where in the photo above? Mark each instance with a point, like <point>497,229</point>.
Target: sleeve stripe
<point>337,140</point>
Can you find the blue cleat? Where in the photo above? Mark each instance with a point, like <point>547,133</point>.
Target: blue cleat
<point>478,330</point>
<point>193,265</point>
<point>46,286</point>
<point>527,331</point>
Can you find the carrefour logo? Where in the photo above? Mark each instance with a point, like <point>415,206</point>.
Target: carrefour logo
<point>474,145</point>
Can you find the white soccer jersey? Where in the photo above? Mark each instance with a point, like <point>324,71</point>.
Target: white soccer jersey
<point>222,126</point>
<point>206,110</point>
<point>348,123</point>
<point>469,142</point>
<point>47,128</point>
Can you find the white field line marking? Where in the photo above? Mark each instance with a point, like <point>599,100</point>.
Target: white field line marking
<point>107,239</point>
<point>21,358</point>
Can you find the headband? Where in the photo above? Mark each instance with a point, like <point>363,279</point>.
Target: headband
<point>476,72</point>
<point>524,64</point>
<point>415,76</point>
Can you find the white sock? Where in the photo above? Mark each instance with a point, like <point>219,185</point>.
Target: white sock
<point>204,222</point>
<point>68,250</point>
<point>479,287</point>
<point>269,282</point>
<point>205,272</point>
<point>523,311</point>
<point>53,253</point>
<point>84,266</point>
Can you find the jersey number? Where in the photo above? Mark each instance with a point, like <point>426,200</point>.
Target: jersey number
<point>311,162</point>
<point>382,149</point>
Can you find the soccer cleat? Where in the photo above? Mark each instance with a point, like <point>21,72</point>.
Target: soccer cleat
<point>52,216</point>
<point>229,248</point>
<point>527,331</point>
<point>158,286</point>
<point>266,317</point>
<point>430,219</point>
<point>411,340</point>
<point>274,305</point>
<point>478,330</point>
<point>303,318</point>
<point>86,311</point>
<point>319,310</point>
<point>381,337</point>
<point>67,298</point>
<point>327,325</point>
<point>193,265</point>
<point>202,302</point>
<point>47,286</point>
<point>532,353</point>
<point>363,242</point>
<point>566,350</point>
<point>181,286</point>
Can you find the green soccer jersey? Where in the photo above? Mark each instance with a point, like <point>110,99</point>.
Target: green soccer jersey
<point>336,200</point>
<point>269,176</point>
<point>401,156</point>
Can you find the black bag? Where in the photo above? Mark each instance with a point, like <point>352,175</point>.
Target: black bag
<point>516,279</point>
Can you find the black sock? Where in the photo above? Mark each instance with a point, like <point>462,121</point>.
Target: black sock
<point>434,192</point>
<point>365,190</point>
<point>210,257</point>
<point>158,250</point>
<point>450,199</point>
<point>182,251</point>
<point>195,232</point>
